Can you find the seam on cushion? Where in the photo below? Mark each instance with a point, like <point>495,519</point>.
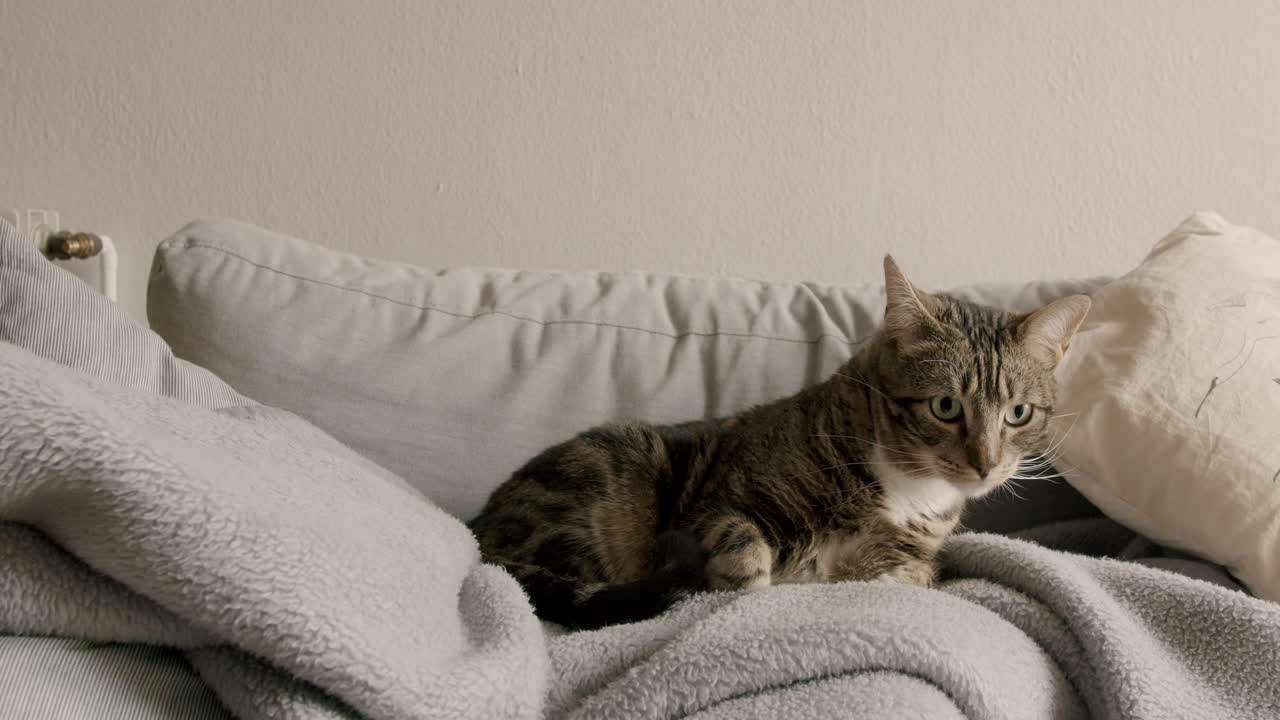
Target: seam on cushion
<point>190,243</point>
<point>181,237</point>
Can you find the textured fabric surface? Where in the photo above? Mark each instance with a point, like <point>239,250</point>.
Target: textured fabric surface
<point>418,369</point>
<point>78,464</point>
<point>1017,630</point>
<point>1175,376</point>
<point>334,592</point>
<point>303,578</point>
<point>55,315</point>
<point>256,536</point>
<point>878,694</point>
<point>63,679</point>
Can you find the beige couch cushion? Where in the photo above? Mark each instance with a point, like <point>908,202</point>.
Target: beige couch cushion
<point>453,378</point>
<point>1175,375</point>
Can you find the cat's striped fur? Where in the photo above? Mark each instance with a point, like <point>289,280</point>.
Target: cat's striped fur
<point>856,478</point>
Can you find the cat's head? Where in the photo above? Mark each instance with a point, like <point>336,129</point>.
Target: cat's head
<point>968,390</point>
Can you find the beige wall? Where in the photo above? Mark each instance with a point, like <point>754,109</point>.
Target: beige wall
<point>980,140</point>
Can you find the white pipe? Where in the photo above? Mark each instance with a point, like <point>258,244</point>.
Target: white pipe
<point>107,268</point>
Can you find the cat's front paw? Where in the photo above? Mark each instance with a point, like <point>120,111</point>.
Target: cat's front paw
<point>911,573</point>
<point>746,570</point>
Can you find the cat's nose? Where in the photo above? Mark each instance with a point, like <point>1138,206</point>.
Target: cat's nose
<point>983,451</point>
<point>983,467</point>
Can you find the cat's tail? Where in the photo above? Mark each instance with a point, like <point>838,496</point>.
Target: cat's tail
<point>681,564</point>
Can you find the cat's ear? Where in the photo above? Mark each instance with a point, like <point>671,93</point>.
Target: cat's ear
<point>905,307</point>
<point>1049,330</point>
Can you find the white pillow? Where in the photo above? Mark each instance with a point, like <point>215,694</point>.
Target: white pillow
<point>1175,375</point>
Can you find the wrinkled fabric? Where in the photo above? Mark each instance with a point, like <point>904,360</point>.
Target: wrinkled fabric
<point>1017,629</point>
<point>303,580</point>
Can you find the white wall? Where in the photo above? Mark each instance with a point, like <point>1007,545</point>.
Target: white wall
<point>1001,139</point>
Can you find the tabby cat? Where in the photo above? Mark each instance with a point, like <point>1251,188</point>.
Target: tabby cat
<point>857,478</point>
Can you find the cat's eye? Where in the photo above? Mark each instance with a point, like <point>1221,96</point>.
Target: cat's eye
<point>1018,414</point>
<point>945,408</point>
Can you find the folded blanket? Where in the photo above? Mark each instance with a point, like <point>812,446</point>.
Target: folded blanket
<point>300,580</point>
<point>304,580</point>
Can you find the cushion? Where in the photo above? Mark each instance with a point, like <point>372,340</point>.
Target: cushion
<point>1175,376</point>
<point>53,314</point>
<point>55,678</point>
<point>453,378</point>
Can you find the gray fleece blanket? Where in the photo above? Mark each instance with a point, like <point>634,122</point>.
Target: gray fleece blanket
<point>302,581</point>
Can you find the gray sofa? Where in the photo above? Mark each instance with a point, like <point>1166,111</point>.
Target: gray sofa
<point>221,550</point>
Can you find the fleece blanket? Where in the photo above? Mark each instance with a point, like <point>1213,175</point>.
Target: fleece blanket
<point>1017,629</point>
<point>302,581</point>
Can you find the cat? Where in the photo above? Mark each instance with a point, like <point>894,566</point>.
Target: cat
<point>859,477</point>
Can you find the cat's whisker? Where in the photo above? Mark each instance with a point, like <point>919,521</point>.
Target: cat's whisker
<point>850,498</point>
<point>1044,464</point>
<point>838,491</point>
<point>1036,478</point>
<point>868,385</point>
<point>895,462</point>
<point>923,468</point>
<point>1051,477</point>
<point>926,466</point>
<point>815,472</point>
<point>845,465</point>
<point>1067,432</point>
<point>1046,459</point>
<point>1010,487</point>
<point>864,440</point>
<point>1046,471</point>
<point>1033,467</point>
<point>1033,470</point>
<point>1055,450</point>
<point>916,460</point>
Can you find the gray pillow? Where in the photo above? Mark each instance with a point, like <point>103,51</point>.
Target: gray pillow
<point>55,315</point>
<point>452,378</point>
<point>60,679</point>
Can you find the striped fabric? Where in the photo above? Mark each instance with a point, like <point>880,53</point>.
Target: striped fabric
<point>51,313</point>
<point>61,679</point>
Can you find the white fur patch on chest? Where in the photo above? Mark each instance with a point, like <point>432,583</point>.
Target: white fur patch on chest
<point>910,497</point>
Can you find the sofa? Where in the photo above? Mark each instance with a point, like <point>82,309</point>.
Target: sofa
<point>256,507</point>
